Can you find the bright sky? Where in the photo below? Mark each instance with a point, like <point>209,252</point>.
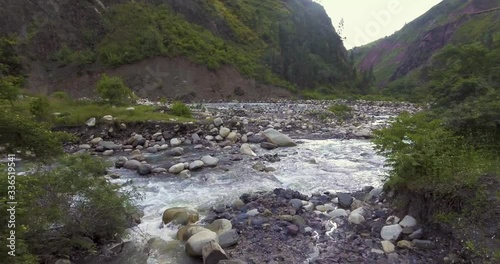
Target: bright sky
<point>369,20</point>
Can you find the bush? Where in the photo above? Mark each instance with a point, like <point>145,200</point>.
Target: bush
<point>30,139</point>
<point>341,111</point>
<point>428,159</point>
<point>60,95</point>
<point>9,89</point>
<point>40,108</point>
<point>68,210</point>
<point>180,109</point>
<point>114,91</point>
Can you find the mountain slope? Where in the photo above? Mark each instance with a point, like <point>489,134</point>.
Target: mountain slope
<point>453,22</point>
<point>286,43</point>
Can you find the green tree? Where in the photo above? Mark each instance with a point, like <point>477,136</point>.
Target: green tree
<point>28,138</point>
<point>114,90</point>
<point>40,108</point>
<point>9,90</point>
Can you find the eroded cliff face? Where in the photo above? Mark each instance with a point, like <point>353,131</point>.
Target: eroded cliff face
<point>47,29</point>
<point>450,22</point>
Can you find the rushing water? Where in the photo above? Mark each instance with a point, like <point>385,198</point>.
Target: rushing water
<point>312,166</point>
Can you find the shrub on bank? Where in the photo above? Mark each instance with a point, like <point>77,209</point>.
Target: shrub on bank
<point>114,90</point>
<point>180,109</point>
<point>68,210</point>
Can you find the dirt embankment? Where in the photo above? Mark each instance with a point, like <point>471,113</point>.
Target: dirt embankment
<point>159,77</point>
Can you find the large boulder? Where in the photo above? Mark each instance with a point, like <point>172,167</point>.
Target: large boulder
<point>180,215</point>
<point>194,245</point>
<point>279,139</point>
<point>109,145</point>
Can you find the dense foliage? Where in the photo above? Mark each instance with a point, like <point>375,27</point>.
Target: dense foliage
<point>68,209</point>
<point>445,161</point>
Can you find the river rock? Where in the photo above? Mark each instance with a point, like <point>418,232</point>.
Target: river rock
<point>268,145</point>
<point>220,226</point>
<point>277,138</point>
<point>210,161</point>
<point>245,149</point>
<point>255,139</point>
<point>84,146</point>
<point>408,221</point>
<point>338,213</point>
<point>181,215</point>
<point>195,165</point>
<point>144,169</point>
<point>107,118</point>
<point>91,122</point>
<point>159,170</point>
<point>364,132</point>
<point>186,232</point>
<point>224,132</point>
<point>175,142</point>
<point>293,230</point>
<point>177,151</point>
<point>132,164</point>
<point>296,203</point>
<point>405,244</point>
<point>108,152</point>
<point>232,137</point>
<point>345,200</point>
<point>387,246</point>
<point>177,168</point>
<point>228,238</point>
<point>418,234</point>
<point>96,140</point>
<point>355,218</point>
<point>195,244</point>
<point>108,145</point>
<point>120,162</point>
<point>218,122</point>
<point>185,174</point>
<point>391,232</point>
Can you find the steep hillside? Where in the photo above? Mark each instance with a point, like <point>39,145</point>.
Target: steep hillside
<point>454,22</point>
<point>285,43</point>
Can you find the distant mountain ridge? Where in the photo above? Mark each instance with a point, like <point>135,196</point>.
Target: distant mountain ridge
<point>286,43</point>
<point>450,22</point>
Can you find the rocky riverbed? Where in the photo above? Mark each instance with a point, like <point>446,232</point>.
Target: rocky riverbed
<point>278,173</point>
